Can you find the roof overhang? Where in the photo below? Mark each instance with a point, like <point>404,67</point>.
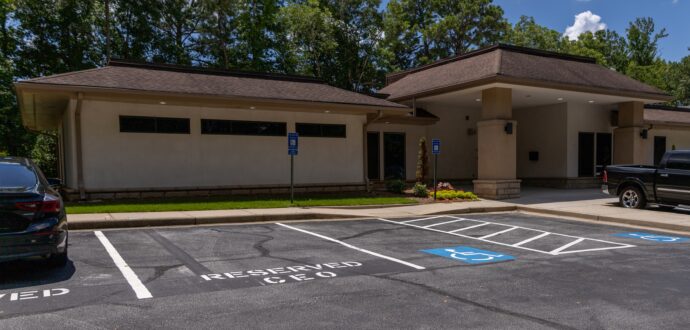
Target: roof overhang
<point>41,104</point>
<point>487,82</point>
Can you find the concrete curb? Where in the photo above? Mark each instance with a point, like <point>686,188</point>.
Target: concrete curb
<point>614,220</point>
<point>192,221</point>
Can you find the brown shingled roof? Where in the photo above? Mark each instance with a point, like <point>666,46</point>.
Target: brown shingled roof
<point>510,64</point>
<point>660,114</point>
<point>203,82</point>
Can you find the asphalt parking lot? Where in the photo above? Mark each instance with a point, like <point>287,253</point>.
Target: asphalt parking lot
<point>504,270</point>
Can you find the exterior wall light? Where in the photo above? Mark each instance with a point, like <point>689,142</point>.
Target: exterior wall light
<point>508,128</point>
<point>644,133</point>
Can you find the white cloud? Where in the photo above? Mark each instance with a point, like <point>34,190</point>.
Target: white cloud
<point>584,21</point>
<point>674,2</point>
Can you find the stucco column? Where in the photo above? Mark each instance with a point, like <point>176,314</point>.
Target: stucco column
<point>629,145</point>
<point>497,147</point>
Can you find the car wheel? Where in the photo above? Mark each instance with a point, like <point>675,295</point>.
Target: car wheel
<point>632,198</point>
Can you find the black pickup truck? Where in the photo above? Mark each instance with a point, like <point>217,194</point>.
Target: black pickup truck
<point>667,185</point>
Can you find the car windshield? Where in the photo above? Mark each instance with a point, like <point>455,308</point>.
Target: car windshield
<point>16,176</point>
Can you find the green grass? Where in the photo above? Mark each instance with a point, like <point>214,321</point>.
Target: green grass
<point>229,203</point>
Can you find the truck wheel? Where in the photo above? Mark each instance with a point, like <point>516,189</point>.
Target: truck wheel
<point>632,198</point>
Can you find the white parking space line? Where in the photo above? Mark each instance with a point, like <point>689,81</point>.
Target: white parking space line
<point>555,251</point>
<point>409,264</point>
<point>139,289</point>
<point>422,219</point>
<point>558,251</point>
<point>498,233</point>
<point>531,239</point>
<point>470,227</point>
<point>443,223</point>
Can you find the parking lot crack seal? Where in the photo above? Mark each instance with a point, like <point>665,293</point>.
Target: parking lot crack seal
<point>365,233</point>
<point>477,304</point>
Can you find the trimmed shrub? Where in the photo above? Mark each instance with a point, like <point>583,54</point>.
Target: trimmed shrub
<point>396,186</point>
<point>420,190</point>
<point>452,194</point>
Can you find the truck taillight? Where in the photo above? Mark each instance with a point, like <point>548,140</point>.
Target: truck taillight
<point>606,177</point>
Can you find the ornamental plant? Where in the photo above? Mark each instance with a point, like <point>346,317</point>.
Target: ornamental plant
<point>420,190</point>
<point>422,161</point>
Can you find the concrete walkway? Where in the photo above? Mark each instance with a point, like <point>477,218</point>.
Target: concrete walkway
<point>586,204</point>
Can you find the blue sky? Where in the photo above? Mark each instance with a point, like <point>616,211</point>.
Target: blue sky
<point>674,15</point>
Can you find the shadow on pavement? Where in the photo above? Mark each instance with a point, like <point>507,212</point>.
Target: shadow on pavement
<point>23,273</point>
<point>535,195</point>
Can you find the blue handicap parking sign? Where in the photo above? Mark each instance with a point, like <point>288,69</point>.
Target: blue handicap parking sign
<point>654,237</point>
<point>436,146</point>
<point>469,255</point>
<point>293,144</point>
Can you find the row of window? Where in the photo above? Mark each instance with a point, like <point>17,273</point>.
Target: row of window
<point>136,124</point>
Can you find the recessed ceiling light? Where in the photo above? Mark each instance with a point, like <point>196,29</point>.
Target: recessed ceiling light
<point>252,108</point>
<point>478,100</point>
<point>560,99</point>
<point>327,111</point>
<point>590,101</point>
<point>388,122</point>
<point>162,102</point>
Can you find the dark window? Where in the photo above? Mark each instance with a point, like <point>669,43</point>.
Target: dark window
<point>321,130</point>
<point>15,175</point>
<point>237,127</point>
<point>373,156</point>
<point>679,161</point>
<point>394,155</point>
<point>135,124</point>
<point>585,146</point>
<point>659,148</point>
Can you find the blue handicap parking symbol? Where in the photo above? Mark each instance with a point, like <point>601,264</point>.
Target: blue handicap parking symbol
<point>469,255</point>
<point>654,237</point>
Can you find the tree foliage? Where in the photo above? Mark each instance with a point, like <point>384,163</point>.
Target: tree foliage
<point>419,32</point>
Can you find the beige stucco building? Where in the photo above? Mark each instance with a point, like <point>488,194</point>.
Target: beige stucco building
<point>506,116</point>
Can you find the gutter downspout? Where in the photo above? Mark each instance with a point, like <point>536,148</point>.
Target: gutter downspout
<point>379,114</point>
<point>77,136</point>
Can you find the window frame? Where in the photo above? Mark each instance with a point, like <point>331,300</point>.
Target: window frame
<point>321,129</point>
<point>282,128</point>
<point>155,130</point>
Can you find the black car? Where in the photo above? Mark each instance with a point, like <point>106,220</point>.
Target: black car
<point>33,222</point>
<point>667,185</point>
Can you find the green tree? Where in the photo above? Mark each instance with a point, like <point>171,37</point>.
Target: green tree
<point>175,31</point>
<point>527,33</point>
<point>419,32</point>
<point>679,81</point>
<point>357,32</point>
<point>57,36</point>
<point>44,154</point>
<point>643,41</point>
<point>217,38</point>
<point>308,37</point>
<point>464,25</point>
<point>132,30</point>
<point>256,29</point>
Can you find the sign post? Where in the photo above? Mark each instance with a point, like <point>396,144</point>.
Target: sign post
<point>436,150</point>
<point>292,151</point>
